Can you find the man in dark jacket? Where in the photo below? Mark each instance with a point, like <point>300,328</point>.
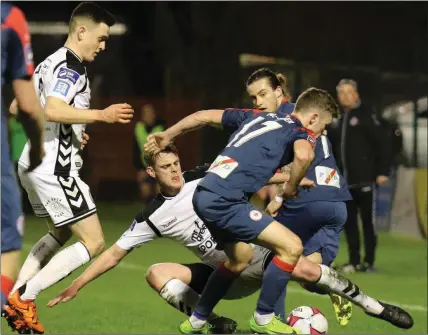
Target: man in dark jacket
<point>361,148</point>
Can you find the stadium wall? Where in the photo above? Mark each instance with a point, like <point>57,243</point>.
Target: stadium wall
<point>409,210</point>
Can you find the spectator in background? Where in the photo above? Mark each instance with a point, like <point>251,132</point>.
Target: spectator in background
<point>148,124</point>
<point>362,152</point>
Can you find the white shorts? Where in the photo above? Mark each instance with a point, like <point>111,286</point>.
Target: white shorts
<point>65,200</point>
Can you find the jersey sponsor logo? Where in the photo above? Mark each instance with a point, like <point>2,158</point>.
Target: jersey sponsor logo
<point>255,215</point>
<point>223,166</point>
<point>68,74</point>
<point>327,177</point>
<point>206,243</point>
<point>62,87</point>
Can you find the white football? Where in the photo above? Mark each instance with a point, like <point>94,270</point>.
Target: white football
<point>308,320</point>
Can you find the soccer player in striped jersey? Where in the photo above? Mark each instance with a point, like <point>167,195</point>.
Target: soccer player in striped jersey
<point>55,190</point>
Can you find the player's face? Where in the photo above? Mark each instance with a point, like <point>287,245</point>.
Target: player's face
<point>347,96</point>
<point>167,171</point>
<point>264,97</point>
<point>94,40</point>
<point>318,121</point>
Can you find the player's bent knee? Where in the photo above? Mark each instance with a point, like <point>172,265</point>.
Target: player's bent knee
<point>155,275</point>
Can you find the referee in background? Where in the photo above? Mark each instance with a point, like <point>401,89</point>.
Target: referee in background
<point>361,148</point>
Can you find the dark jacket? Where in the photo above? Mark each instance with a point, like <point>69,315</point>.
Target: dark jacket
<point>361,146</point>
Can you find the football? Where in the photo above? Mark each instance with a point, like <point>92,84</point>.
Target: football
<point>308,320</point>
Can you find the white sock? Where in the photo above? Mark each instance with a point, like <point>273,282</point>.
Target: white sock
<point>196,322</point>
<point>181,296</point>
<point>39,255</point>
<point>263,319</point>
<point>342,286</point>
<point>60,266</point>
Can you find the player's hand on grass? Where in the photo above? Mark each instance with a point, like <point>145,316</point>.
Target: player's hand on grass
<point>85,139</point>
<point>307,183</point>
<point>157,142</point>
<point>66,295</point>
<point>118,113</point>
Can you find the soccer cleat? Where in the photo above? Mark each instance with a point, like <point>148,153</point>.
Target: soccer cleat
<point>366,267</point>
<point>394,315</point>
<point>187,328</point>
<point>26,310</point>
<point>342,308</point>
<point>275,326</point>
<point>14,321</point>
<point>222,325</point>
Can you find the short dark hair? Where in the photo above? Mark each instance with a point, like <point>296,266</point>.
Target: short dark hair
<point>275,80</point>
<point>150,159</point>
<point>317,98</point>
<point>93,12</point>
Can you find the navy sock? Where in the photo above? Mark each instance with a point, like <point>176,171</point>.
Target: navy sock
<point>275,280</point>
<point>280,306</point>
<point>216,288</point>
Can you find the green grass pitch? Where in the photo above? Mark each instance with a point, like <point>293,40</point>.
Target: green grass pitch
<point>120,302</point>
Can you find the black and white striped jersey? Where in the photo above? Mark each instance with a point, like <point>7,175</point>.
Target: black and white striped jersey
<point>61,75</point>
<point>174,218</point>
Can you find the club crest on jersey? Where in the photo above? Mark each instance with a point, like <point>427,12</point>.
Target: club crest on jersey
<point>255,215</point>
<point>68,74</point>
<point>62,87</point>
<point>353,121</point>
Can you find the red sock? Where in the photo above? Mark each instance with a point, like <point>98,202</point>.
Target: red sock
<point>6,285</point>
<point>283,265</point>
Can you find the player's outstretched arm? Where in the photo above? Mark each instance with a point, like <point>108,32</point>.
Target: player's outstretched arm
<point>57,110</point>
<point>105,262</point>
<point>303,156</point>
<point>159,141</point>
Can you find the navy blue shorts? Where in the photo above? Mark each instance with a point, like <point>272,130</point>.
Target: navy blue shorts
<point>12,219</point>
<point>318,224</point>
<point>229,221</point>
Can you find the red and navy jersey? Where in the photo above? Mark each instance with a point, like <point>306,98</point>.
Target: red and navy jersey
<point>260,144</point>
<point>330,184</point>
<point>16,52</point>
<point>16,63</point>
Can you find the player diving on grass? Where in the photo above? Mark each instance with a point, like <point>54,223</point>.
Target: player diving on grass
<point>221,201</point>
<point>171,215</point>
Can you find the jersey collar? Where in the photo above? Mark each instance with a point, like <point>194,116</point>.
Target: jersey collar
<point>74,54</point>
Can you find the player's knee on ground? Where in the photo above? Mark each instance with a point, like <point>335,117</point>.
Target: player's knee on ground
<point>306,270</point>
<point>157,276</point>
